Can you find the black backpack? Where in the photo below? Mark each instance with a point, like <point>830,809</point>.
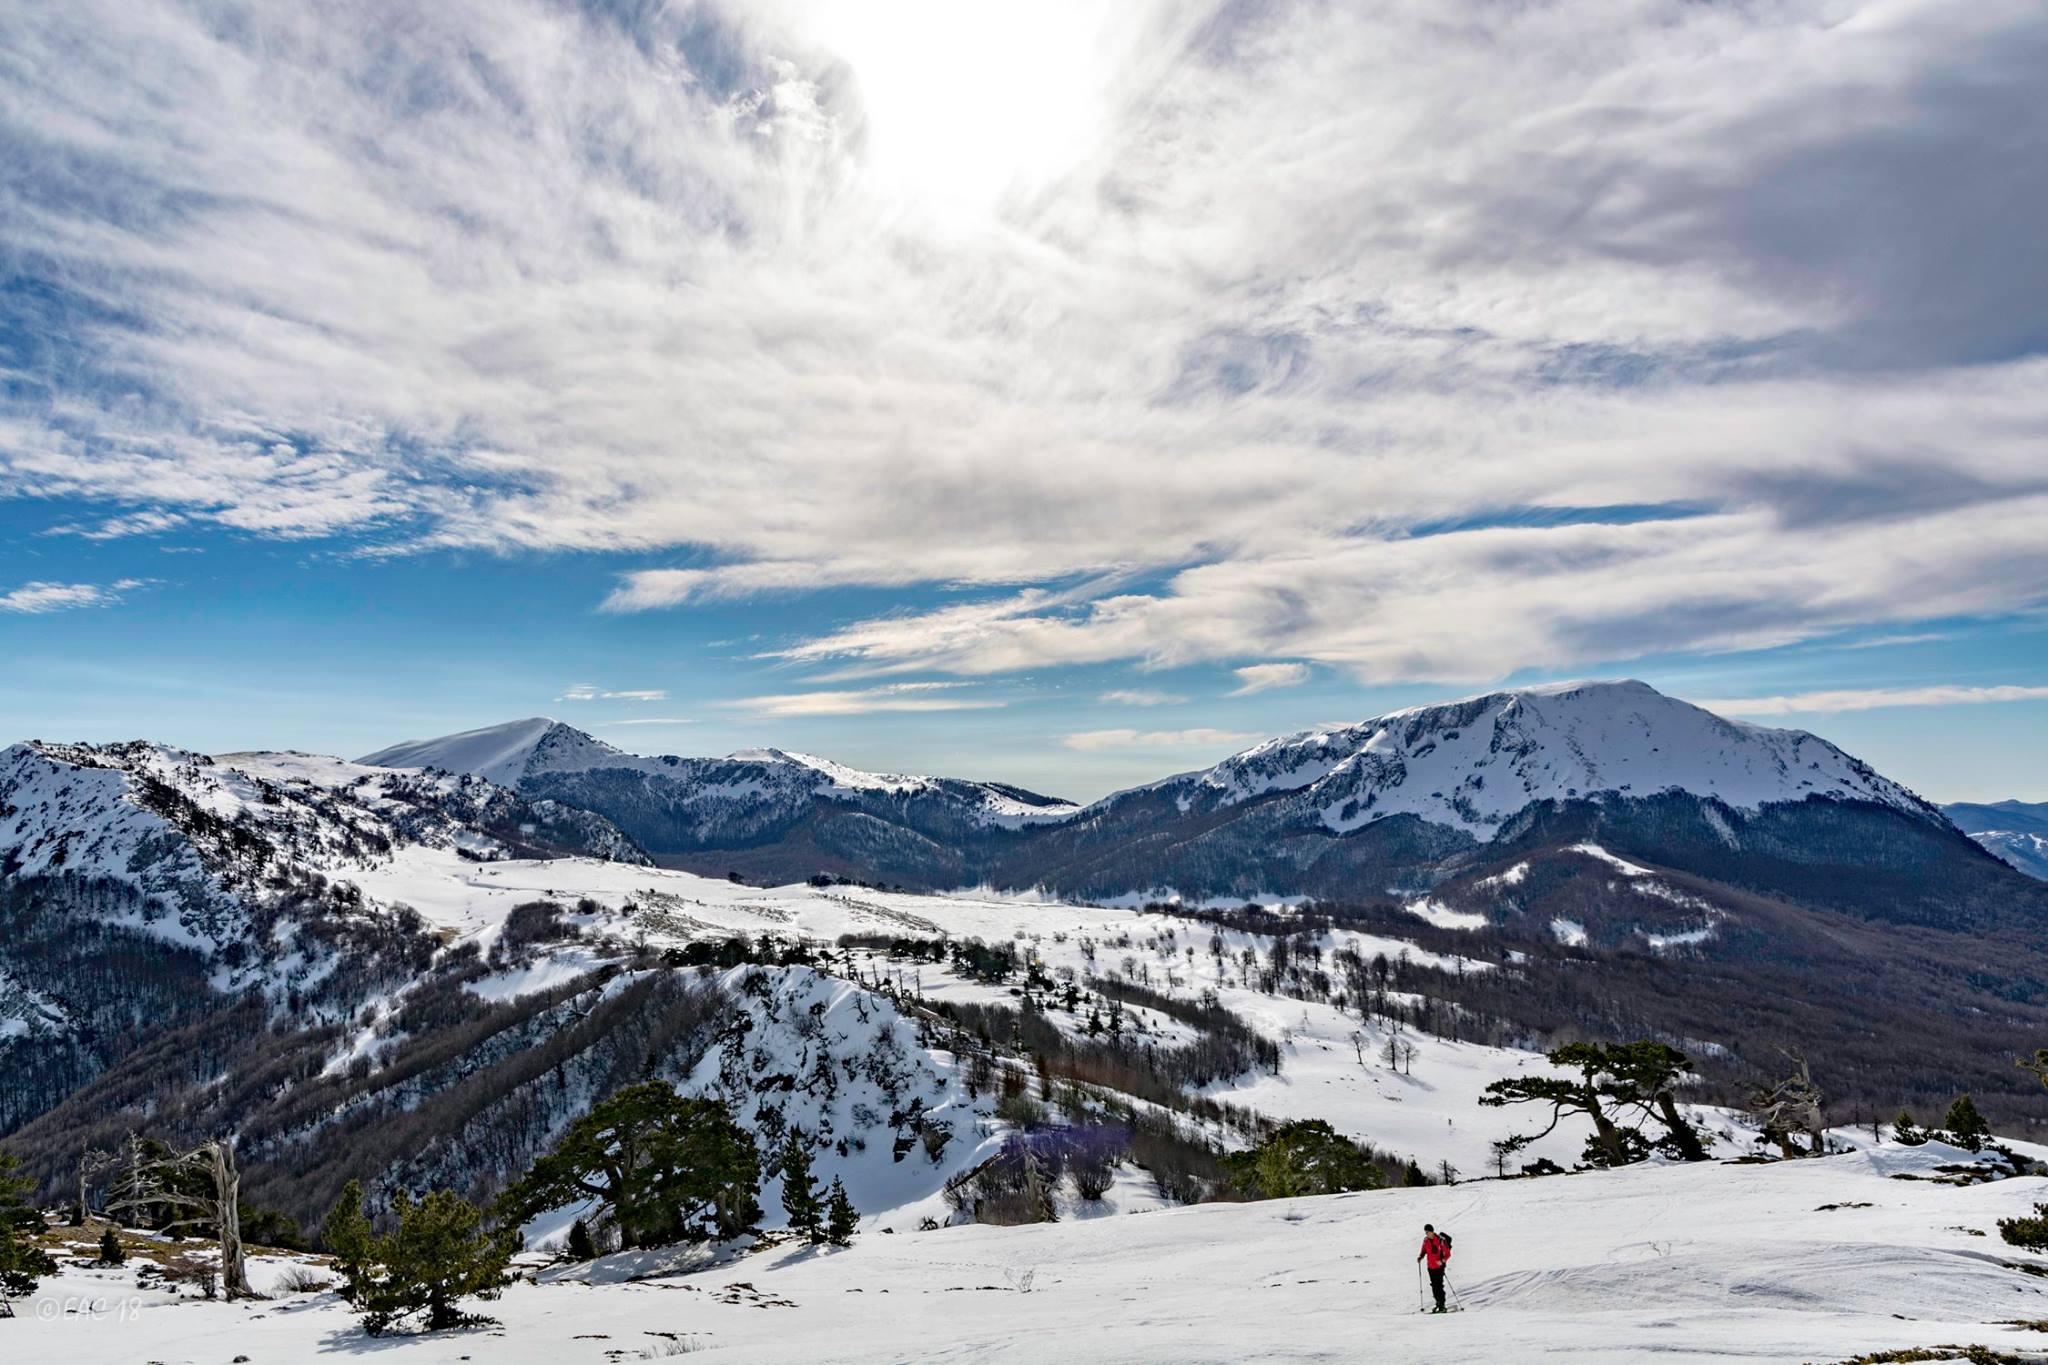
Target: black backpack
<point>1445,1238</point>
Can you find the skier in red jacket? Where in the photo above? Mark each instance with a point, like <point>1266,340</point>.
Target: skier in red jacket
<point>1436,1250</point>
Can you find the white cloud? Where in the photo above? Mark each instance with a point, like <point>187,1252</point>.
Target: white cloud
<point>646,720</point>
<point>919,696</point>
<point>116,528</point>
<point>1265,677</point>
<point>1870,699</point>
<point>765,289</point>
<point>1140,696</point>
<point>588,692</point>
<point>1199,738</point>
<point>35,599</point>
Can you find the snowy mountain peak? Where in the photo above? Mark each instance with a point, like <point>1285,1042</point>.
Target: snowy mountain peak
<point>544,756</point>
<point>506,753</point>
<point>1474,763</point>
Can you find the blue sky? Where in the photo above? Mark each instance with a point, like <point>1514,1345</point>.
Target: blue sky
<point>1060,394</point>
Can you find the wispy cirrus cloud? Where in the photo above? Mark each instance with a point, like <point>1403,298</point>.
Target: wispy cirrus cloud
<point>754,287</point>
<point>1870,699</point>
<point>40,598</point>
<point>1265,677</point>
<point>1197,738</point>
<point>590,692</point>
<point>908,697</point>
<point>1140,696</point>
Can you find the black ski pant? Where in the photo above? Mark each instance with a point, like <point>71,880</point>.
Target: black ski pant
<point>1436,1285</point>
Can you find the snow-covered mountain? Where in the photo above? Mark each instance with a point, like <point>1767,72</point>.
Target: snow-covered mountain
<point>191,833</point>
<point>771,813</point>
<point>526,753</point>
<point>1403,803</point>
<point>1473,765</point>
<point>2016,831</point>
<point>283,878</point>
<point>1392,806</point>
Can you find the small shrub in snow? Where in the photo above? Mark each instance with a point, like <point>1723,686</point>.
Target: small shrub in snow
<point>1094,1173</point>
<point>1020,1109</point>
<point>111,1252</point>
<point>302,1280</point>
<point>2030,1233</point>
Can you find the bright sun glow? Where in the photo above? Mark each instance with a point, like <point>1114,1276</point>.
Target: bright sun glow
<point>966,103</point>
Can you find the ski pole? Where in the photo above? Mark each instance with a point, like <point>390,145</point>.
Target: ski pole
<point>1421,1294</point>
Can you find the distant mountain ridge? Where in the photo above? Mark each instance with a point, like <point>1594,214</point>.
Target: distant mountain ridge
<point>767,813</point>
<point>1391,806</point>
<point>2016,831</point>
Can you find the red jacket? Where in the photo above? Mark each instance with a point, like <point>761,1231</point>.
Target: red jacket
<point>1435,1251</point>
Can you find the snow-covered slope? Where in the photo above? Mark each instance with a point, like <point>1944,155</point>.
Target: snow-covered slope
<point>2024,849</point>
<point>1473,764</point>
<point>501,753</point>
<point>1827,1260</point>
<point>197,835</point>
<point>145,887</point>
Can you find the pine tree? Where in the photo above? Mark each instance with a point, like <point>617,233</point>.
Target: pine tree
<point>689,1172</point>
<point>842,1220</point>
<point>110,1249</point>
<point>580,1247</point>
<point>1305,1157</point>
<point>1906,1132</point>
<point>439,1253</point>
<point>349,1240</point>
<point>799,1189</point>
<point>1965,1125</point>
<point>22,1261</point>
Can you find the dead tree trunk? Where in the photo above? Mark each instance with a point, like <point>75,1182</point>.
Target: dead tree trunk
<point>227,1184</point>
<point>90,1163</point>
<point>155,1182</point>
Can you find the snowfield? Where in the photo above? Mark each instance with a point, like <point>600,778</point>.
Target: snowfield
<point>1817,1260</point>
